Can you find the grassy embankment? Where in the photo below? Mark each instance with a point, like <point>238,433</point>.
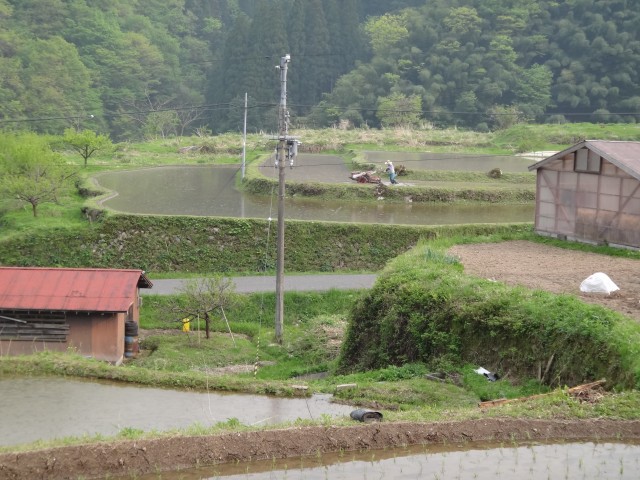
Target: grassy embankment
<point>424,309</point>
<point>313,320</point>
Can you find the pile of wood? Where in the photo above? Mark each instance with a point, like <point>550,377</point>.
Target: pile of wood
<point>588,392</point>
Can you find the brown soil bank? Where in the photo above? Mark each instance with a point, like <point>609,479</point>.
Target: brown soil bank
<point>554,269</point>
<point>166,454</point>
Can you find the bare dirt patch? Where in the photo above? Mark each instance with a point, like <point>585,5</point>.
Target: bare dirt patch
<point>554,269</point>
<point>164,454</point>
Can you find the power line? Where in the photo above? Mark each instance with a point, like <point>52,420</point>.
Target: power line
<point>206,107</point>
<point>268,104</point>
<point>440,158</point>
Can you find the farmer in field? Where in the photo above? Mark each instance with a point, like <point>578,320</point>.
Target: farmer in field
<point>391,171</point>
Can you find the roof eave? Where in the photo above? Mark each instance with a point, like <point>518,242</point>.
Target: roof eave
<point>144,282</point>
<point>557,156</point>
<point>625,168</point>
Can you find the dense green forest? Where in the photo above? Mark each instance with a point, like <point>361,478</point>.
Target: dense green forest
<point>151,68</point>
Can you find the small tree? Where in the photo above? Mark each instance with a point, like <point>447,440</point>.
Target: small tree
<point>386,31</point>
<point>202,296</point>
<point>398,110</point>
<point>163,124</point>
<point>30,172</point>
<point>86,142</point>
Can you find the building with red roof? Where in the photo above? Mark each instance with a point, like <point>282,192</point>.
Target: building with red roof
<point>68,308</point>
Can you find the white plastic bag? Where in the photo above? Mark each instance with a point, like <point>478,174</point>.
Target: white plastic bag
<point>598,283</point>
<point>492,377</point>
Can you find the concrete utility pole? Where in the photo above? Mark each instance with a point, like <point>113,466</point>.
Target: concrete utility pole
<point>283,129</point>
<point>287,150</point>
<point>244,137</point>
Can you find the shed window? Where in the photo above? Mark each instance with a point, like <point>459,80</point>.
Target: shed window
<point>47,327</point>
<point>587,161</point>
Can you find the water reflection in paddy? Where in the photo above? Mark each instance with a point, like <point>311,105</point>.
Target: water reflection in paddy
<point>45,408</point>
<point>593,461</point>
<point>452,161</point>
<point>210,191</point>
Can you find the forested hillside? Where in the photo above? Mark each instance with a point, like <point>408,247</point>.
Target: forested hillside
<point>135,68</point>
<point>487,63</point>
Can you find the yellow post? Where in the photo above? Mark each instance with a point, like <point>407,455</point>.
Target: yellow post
<point>185,324</point>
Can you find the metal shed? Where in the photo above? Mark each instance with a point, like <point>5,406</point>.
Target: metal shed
<point>68,308</point>
<point>590,193</point>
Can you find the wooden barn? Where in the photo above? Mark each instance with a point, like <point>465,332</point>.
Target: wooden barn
<point>590,193</point>
<point>68,308</point>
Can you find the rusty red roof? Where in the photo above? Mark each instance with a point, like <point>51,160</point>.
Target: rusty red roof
<point>624,154</point>
<point>69,289</point>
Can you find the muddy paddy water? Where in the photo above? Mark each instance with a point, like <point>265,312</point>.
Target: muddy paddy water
<point>452,161</point>
<point>211,191</point>
<point>45,408</point>
<point>483,461</point>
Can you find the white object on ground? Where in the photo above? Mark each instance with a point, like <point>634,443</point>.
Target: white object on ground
<point>598,283</point>
<point>482,371</point>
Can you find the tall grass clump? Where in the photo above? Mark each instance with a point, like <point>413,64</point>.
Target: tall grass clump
<point>424,308</point>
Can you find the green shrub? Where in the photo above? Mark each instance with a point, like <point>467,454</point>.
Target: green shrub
<point>423,308</point>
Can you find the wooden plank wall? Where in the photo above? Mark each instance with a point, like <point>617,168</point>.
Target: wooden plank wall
<point>41,327</point>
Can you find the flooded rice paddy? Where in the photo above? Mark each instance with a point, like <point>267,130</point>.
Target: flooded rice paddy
<point>452,161</point>
<point>211,191</point>
<point>485,461</point>
<point>46,408</point>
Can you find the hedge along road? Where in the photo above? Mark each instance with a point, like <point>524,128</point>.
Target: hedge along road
<point>267,283</point>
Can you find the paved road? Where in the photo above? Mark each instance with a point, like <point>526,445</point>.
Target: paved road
<point>299,283</point>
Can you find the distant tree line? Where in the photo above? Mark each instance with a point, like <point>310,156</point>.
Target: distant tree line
<point>490,63</point>
<point>152,68</point>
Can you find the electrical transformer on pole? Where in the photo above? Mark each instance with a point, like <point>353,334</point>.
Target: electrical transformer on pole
<point>287,150</point>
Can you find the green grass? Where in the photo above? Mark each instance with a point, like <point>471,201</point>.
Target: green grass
<point>469,178</point>
<point>485,390</point>
<point>521,138</point>
<point>200,244</point>
<point>311,319</point>
<point>517,139</point>
<point>258,308</point>
<point>409,395</point>
<point>444,242</point>
<point>423,308</point>
<point>224,149</point>
<point>194,352</point>
<point>66,215</point>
